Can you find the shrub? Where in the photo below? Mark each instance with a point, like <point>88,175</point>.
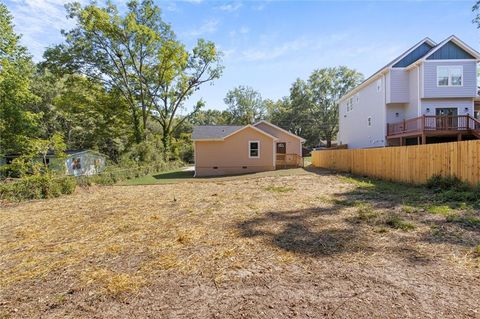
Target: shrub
<point>37,187</point>
<point>445,183</point>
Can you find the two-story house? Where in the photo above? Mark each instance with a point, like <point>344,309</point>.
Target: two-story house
<point>426,95</point>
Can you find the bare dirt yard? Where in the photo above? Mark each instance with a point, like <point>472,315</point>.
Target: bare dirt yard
<point>309,244</point>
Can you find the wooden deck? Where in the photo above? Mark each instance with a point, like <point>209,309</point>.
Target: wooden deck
<point>288,161</point>
<point>427,126</point>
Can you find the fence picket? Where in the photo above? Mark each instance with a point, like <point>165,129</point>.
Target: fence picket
<point>409,164</point>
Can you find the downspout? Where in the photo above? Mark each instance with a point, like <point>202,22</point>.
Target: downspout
<point>419,108</point>
<point>385,111</point>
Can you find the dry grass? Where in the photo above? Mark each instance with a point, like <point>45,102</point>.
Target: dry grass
<point>306,232</point>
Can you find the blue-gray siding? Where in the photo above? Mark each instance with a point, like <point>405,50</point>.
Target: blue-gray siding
<point>450,51</point>
<point>469,88</point>
<point>413,56</point>
<point>399,91</point>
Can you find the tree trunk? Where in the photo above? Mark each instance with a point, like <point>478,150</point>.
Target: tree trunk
<point>166,142</point>
<point>329,142</point>
<point>139,137</point>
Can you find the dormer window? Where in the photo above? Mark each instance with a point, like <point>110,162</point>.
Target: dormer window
<point>449,76</point>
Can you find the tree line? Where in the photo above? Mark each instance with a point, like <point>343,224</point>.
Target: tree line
<point>119,81</point>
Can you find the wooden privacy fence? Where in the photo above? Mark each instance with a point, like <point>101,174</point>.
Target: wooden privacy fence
<point>409,164</point>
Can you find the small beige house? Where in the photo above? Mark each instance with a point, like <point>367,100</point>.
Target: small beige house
<point>230,150</point>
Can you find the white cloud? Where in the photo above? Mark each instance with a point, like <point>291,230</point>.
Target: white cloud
<point>209,26</point>
<point>260,5</point>
<point>270,53</point>
<point>39,22</point>
<point>230,7</point>
<point>242,31</point>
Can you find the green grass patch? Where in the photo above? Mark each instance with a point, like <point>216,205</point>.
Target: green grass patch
<point>440,210</point>
<point>397,222</point>
<point>357,181</point>
<point>344,202</point>
<point>278,189</point>
<point>161,178</point>
<point>365,212</point>
<point>467,221</point>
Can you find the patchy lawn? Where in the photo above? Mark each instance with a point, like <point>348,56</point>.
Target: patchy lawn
<point>270,245</point>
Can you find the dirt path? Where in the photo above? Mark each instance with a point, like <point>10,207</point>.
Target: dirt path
<point>306,246</point>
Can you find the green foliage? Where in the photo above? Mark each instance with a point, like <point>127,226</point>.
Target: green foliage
<point>37,187</point>
<point>445,183</point>
<point>137,54</point>
<point>41,186</point>
<point>245,105</point>
<point>89,116</point>
<point>17,124</point>
<point>211,117</point>
<point>311,110</point>
<point>116,174</point>
<point>279,189</point>
<point>451,189</point>
<point>397,222</point>
<point>467,221</point>
<point>366,212</point>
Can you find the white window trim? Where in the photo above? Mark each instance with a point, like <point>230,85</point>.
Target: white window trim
<point>350,104</point>
<point>249,149</point>
<point>449,76</point>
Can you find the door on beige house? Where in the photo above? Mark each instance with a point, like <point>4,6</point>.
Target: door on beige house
<point>281,148</point>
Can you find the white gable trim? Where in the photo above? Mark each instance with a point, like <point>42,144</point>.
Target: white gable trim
<point>384,70</point>
<point>458,42</point>
<point>253,127</point>
<point>455,40</point>
<point>280,129</point>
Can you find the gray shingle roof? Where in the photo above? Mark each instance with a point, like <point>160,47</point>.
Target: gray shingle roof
<point>207,132</point>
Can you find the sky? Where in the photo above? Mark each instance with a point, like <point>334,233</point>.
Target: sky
<point>269,44</point>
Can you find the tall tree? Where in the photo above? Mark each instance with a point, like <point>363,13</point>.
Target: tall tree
<point>293,114</point>
<point>17,124</point>
<point>138,54</point>
<point>326,86</point>
<point>245,105</point>
<point>211,117</point>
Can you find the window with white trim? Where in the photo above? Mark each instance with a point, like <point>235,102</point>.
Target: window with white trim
<point>254,149</point>
<point>349,104</point>
<point>450,75</point>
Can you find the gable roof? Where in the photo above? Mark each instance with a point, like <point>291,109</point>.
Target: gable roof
<point>213,132</point>
<point>383,70</point>
<point>221,132</point>
<point>451,39</point>
<point>415,61</point>
<point>280,129</point>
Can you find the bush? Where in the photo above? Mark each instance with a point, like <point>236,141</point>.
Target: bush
<point>445,183</point>
<point>48,185</point>
<point>37,187</point>
<point>117,174</point>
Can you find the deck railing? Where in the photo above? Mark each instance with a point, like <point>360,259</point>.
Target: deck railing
<point>434,123</point>
<point>289,160</point>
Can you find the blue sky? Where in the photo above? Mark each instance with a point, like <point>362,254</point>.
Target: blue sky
<point>268,44</point>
